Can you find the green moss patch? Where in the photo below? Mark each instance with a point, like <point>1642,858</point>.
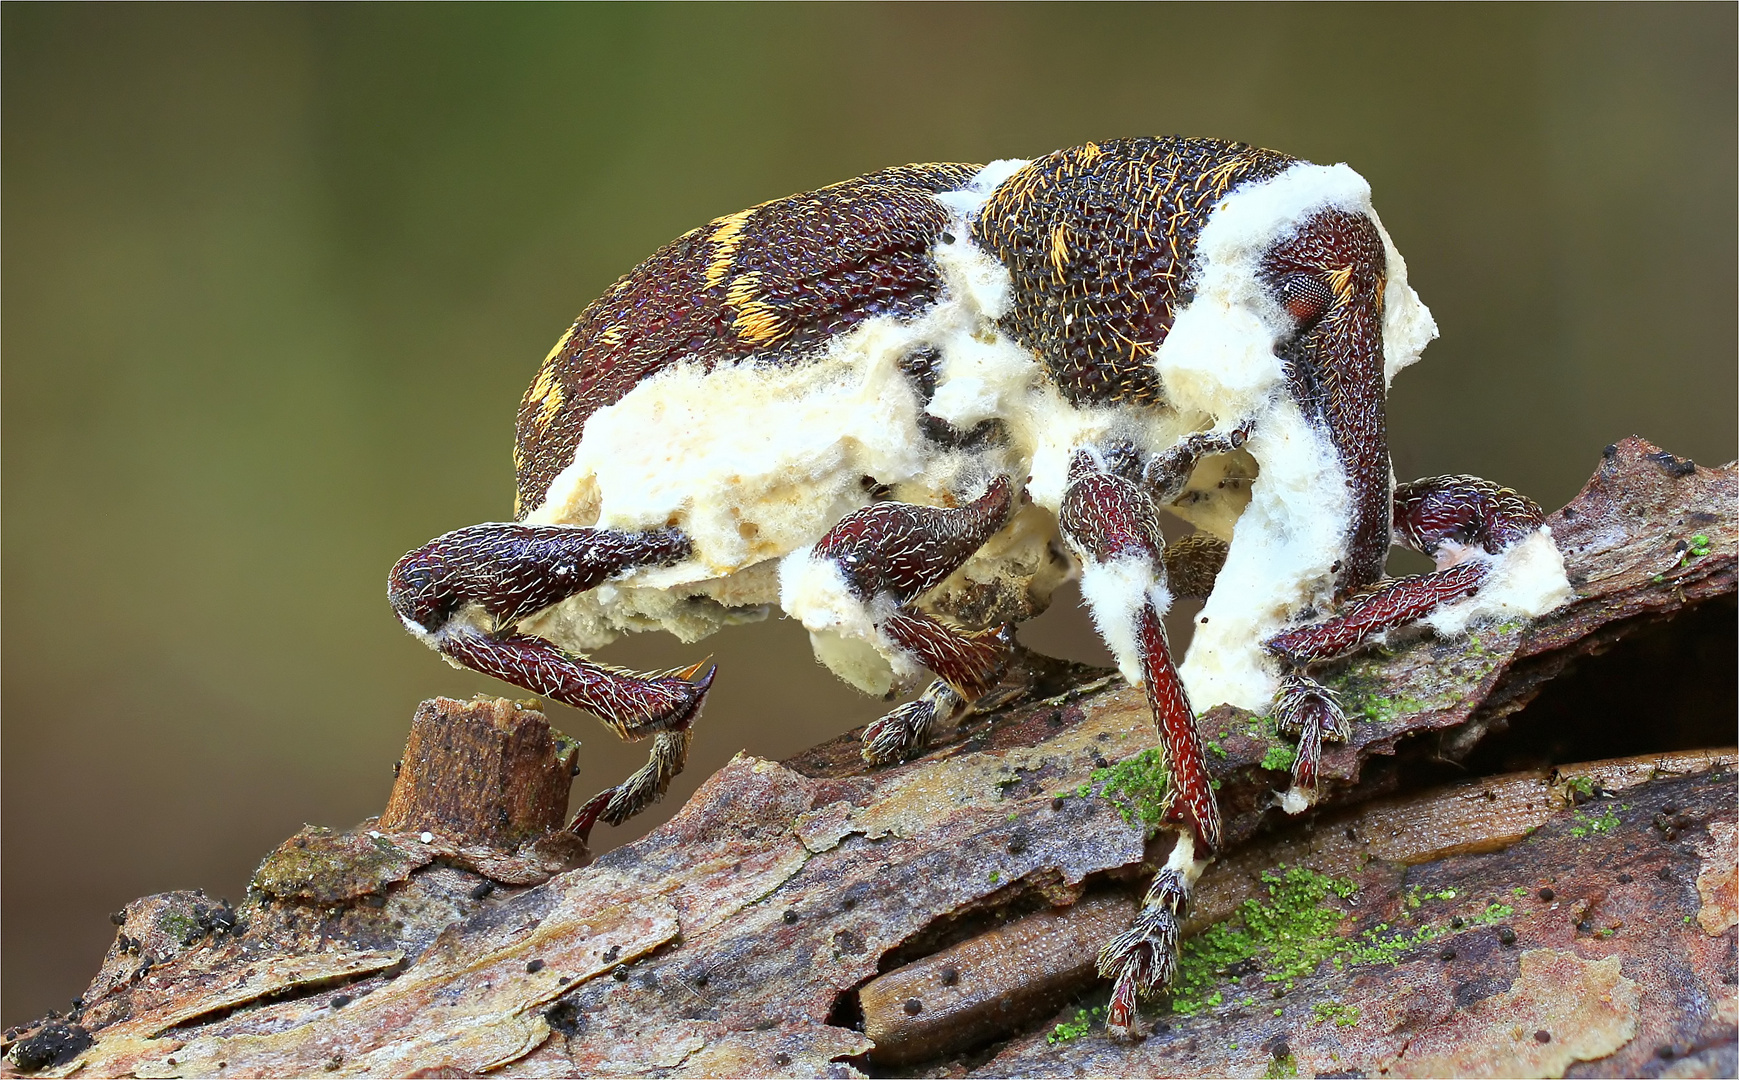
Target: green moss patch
<point>1139,787</point>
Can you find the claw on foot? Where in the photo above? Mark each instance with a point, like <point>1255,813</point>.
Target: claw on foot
<point>906,730</point>
<point>1143,959</point>
<point>1307,709</point>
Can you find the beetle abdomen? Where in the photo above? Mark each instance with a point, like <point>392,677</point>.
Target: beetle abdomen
<point>1099,241</point>
<point>777,281</point>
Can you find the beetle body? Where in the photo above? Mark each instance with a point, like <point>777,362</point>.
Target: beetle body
<point>903,409</point>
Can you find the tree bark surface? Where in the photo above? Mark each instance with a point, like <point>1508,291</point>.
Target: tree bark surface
<point>814,917</point>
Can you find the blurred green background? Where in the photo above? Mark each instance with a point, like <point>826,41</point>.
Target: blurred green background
<point>275,278</point>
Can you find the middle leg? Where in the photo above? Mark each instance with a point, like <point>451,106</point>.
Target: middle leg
<point>1111,524</point>
<point>887,555</point>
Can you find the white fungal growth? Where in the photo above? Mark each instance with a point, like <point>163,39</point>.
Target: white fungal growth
<point>1115,592</point>
<point>755,462</point>
<point>1526,579</point>
<point>1219,362</point>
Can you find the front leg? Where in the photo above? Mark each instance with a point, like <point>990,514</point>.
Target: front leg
<point>1111,524</point>
<point>1468,527</point>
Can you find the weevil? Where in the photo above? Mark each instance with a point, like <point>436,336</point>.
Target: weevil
<point>905,408</point>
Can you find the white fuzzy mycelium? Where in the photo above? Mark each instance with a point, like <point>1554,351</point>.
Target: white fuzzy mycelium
<point>755,462</point>
<point>1219,360</point>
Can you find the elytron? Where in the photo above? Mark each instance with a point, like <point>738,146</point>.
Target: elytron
<point>905,408</point>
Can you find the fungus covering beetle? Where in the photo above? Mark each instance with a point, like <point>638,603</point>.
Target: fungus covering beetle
<point>905,408</point>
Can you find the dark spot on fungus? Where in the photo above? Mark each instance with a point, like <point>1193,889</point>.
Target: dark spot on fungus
<point>1506,935</point>
<point>1665,873</point>
<point>790,916</point>
<point>1625,879</point>
<point>341,1000</point>
<point>1542,1036</point>
<point>950,976</point>
<point>1446,955</point>
<point>1457,923</point>
<point>620,974</point>
<point>1017,842</point>
<point>612,953</point>
<point>781,1058</point>
<point>481,890</point>
<point>947,238</point>
<point>534,967</point>
<point>1057,804</point>
<point>1547,894</point>
<point>1281,1051</point>
<point>119,918</point>
<point>913,1006</point>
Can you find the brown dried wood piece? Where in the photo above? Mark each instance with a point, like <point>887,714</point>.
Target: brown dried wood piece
<point>488,771</point>
<point>742,937</point>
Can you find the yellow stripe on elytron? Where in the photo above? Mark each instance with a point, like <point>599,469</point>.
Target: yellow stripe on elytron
<point>755,321</point>
<point>560,345</point>
<point>545,382</point>
<point>552,404</point>
<point>727,235</point>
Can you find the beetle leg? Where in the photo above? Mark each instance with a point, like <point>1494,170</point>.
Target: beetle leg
<point>888,555</point>
<point>645,787</point>
<point>1192,563</point>
<point>1166,473</point>
<point>1111,524</point>
<point>462,593</point>
<point>906,730</point>
<point>1461,522</point>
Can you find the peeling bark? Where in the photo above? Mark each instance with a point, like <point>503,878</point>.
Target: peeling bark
<point>795,917</point>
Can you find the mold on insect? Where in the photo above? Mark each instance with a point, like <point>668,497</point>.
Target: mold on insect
<point>905,408</point>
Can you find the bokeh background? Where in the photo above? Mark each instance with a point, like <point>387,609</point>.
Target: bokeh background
<point>275,278</point>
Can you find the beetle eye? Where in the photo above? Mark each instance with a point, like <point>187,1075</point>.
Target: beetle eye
<point>1305,297</point>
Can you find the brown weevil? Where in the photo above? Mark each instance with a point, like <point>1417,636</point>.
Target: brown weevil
<point>905,408</point>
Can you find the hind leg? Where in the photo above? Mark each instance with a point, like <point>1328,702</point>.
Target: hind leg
<point>464,592</point>
<point>884,557</point>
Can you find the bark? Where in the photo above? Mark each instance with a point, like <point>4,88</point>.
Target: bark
<point>814,917</point>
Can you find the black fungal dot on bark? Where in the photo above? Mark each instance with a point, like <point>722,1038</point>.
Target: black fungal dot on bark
<point>1506,935</point>
<point>781,1059</point>
<point>950,976</point>
<point>913,1006</point>
<point>1547,894</point>
<point>790,916</point>
<point>341,1000</point>
<point>534,967</point>
<point>1446,955</point>
<point>1542,1036</point>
